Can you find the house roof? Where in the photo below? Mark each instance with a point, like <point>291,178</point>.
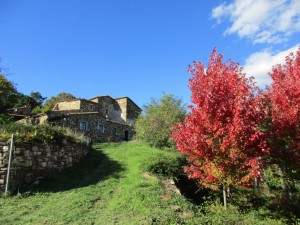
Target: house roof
<point>102,96</point>
<point>81,113</point>
<point>107,96</point>
<point>76,99</point>
<point>130,100</point>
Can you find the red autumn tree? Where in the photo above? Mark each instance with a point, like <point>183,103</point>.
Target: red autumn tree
<point>284,97</point>
<point>221,135</point>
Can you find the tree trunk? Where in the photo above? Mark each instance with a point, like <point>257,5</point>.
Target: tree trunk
<point>285,182</point>
<point>224,196</point>
<point>255,183</point>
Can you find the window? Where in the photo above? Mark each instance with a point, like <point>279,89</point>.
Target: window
<point>91,107</point>
<point>106,111</point>
<point>100,128</point>
<point>114,131</point>
<point>83,125</point>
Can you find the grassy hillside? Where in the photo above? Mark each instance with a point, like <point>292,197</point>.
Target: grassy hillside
<point>112,186</point>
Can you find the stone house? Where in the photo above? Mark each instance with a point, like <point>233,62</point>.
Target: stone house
<point>101,118</point>
<point>19,112</point>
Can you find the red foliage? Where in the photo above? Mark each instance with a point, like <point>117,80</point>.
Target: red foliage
<point>222,134</point>
<point>285,111</point>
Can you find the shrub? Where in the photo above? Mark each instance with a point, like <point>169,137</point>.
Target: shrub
<point>5,119</point>
<point>166,166</point>
<point>25,133</point>
<point>155,125</point>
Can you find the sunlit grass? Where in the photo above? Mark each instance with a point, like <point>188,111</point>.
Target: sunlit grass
<point>108,187</point>
<point>112,186</point>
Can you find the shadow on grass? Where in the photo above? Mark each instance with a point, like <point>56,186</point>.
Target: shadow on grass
<point>95,167</point>
<point>191,190</point>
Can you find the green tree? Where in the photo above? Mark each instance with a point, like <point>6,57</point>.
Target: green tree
<point>8,92</point>
<point>39,99</point>
<point>10,97</point>
<point>155,125</point>
<point>35,99</point>
<point>50,103</point>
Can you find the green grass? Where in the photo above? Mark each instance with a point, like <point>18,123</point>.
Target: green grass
<point>112,186</point>
<point>108,187</point>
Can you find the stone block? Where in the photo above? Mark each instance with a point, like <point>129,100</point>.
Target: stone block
<point>27,153</point>
<point>17,150</point>
<point>5,148</point>
<point>28,163</point>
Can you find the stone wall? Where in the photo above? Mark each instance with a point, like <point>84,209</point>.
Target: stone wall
<point>109,107</point>
<point>81,105</point>
<point>130,111</point>
<point>116,116</point>
<point>30,162</point>
<point>112,130</point>
<point>133,111</point>
<point>122,102</point>
<point>88,106</point>
<point>68,105</point>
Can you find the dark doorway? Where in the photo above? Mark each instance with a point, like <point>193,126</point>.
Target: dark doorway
<point>126,135</point>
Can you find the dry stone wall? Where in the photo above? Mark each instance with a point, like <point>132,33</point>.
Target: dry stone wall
<point>112,131</point>
<point>30,162</point>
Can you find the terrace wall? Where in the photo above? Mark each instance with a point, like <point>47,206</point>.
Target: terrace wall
<point>31,162</point>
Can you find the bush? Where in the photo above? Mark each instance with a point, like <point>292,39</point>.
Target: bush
<point>166,166</point>
<point>155,125</point>
<point>25,133</point>
<point>5,119</point>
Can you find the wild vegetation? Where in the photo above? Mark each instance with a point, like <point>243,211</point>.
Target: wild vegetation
<point>238,136</point>
<point>27,133</point>
<point>236,132</point>
<point>154,126</point>
<point>128,183</point>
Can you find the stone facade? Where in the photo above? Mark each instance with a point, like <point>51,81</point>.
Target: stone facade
<point>129,110</point>
<point>101,118</point>
<point>19,112</point>
<point>32,162</point>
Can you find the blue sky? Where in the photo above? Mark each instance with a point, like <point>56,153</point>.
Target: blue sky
<point>138,48</point>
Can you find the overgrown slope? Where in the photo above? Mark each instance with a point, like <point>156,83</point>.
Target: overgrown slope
<point>112,186</point>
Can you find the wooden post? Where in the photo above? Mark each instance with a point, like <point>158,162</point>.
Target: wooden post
<point>9,162</point>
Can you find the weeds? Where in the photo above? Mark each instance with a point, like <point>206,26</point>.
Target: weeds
<point>26,133</point>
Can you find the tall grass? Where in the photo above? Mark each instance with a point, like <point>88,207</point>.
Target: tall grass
<point>25,133</point>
